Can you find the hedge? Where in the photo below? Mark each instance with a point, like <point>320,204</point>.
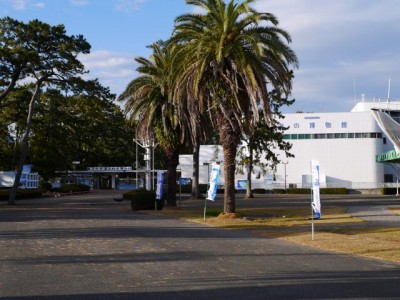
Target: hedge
<point>331,191</point>
<point>142,199</point>
<point>187,188</point>
<point>388,191</point>
<point>21,194</point>
<point>323,191</point>
<point>68,188</point>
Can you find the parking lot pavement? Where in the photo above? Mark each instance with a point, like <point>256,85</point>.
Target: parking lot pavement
<point>90,247</point>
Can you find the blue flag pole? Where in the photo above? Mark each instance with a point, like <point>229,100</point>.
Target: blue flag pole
<point>315,194</point>
<point>312,216</point>
<point>212,186</point>
<point>311,204</point>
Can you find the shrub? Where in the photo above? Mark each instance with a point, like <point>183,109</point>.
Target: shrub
<point>213,212</point>
<point>44,184</point>
<point>71,188</point>
<point>278,191</point>
<point>21,194</point>
<point>388,191</point>
<point>187,188</point>
<point>259,191</point>
<point>323,191</point>
<point>142,199</point>
<point>337,191</point>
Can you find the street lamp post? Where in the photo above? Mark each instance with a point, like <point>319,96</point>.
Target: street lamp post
<point>149,146</point>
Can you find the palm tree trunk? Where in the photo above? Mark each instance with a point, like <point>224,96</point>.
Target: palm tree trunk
<point>25,143</point>
<point>229,176</point>
<point>230,139</point>
<point>172,156</point>
<point>195,176</point>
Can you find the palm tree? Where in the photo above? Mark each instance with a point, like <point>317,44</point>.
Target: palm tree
<point>227,57</point>
<point>148,105</point>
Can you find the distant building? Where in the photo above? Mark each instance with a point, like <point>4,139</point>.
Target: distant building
<point>120,178</point>
<point>345,144</point>
<point>29,179</point>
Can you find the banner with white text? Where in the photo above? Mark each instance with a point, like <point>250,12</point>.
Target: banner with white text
<point>316,203</point>
<point>160,184</point>
<point>214,178</point>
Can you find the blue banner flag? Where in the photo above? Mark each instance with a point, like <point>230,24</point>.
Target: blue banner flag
<point>160,184</point>
<point>213,184</point>
<point>316,203</point>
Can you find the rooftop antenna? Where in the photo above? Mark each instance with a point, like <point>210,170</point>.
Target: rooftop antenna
<point>355,94</point>
<point>388,97</point>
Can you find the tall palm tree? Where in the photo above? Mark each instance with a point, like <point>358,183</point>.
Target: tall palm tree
<point>148,105</point>
<point>227,57</point>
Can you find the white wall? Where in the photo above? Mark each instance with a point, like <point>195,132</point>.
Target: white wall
<point>343,161</point>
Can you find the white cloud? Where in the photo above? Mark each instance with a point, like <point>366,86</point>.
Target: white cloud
<point>105,59</point>
<point>79,2</point>
<point>128,5</point>
<point>21,5</point>
<point>338,43</point>
<point>39,5</point>
<point>114,70</point>
<point>18,4</point>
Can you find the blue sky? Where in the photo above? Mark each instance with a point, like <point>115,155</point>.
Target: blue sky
<point>345,47</point>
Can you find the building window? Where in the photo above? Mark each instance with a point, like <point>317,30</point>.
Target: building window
<point>389,178</point>
<point>318,136</point>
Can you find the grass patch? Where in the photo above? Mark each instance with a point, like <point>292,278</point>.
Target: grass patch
<point>382,243</point>
<point>395,210</point>
<point>336,231</point>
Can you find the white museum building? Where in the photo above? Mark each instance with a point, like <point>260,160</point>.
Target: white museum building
<point>345,144</point>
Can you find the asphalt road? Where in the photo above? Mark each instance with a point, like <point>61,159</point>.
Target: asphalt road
<point>91,247</point>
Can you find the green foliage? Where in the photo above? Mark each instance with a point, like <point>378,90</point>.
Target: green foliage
<point>187,188</point>
<point>45,54</point>
<point>66,129</point>
<point>213,212</point>
<point>45,185</point>
<point>142,199</point>
<point>259,148</point>
<point>226,58</point>
<point>21,194</point>
<point>259,191</point>
<point>72,188</point>
<point>388,191</point>
<point>337,191</point>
